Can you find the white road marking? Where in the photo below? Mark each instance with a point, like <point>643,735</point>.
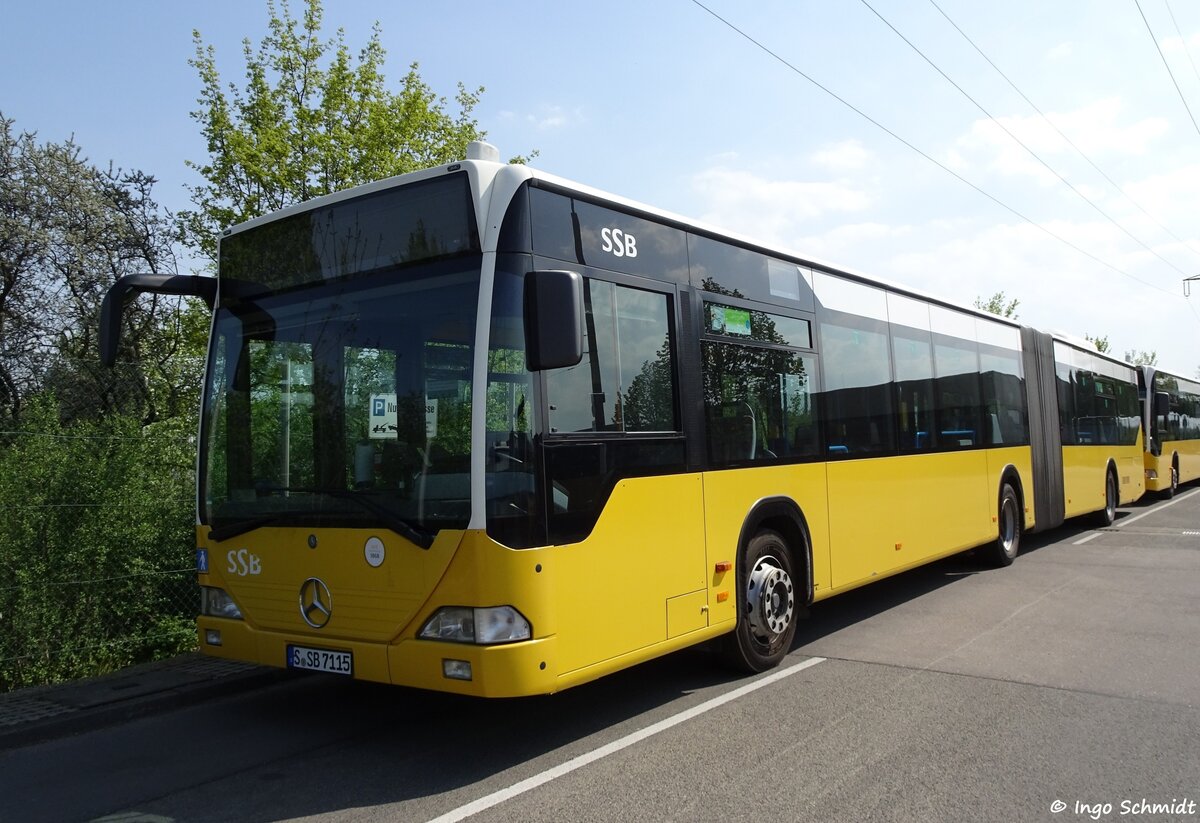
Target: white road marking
<point>498,797</point>
<point>1138,517</point>
<point>1159,507</point>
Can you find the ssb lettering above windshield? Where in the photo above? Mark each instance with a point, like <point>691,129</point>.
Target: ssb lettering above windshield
<point>618,243</point>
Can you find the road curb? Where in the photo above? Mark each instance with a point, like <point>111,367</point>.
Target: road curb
<point>42,713</point>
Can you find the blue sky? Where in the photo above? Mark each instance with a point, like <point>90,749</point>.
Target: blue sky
<point>663,103</point>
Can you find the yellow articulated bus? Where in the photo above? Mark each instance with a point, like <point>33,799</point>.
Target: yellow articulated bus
<point>1171,419</point>
<point>483,430</point>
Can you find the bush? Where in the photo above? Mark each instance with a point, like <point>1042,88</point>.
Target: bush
<point>96,544</point>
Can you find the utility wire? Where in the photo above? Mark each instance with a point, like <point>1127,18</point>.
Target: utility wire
<point>1167,65</point>
<point>1060,133</point>
<point>1018,140</point>
<point>928,157</point>
<point>1186,50</point>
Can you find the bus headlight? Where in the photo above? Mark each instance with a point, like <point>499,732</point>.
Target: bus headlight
<point>482,626</point>
<point>216,602</point>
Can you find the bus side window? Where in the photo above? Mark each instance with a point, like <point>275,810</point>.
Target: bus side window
<point>760,403</point>
<point>625,382</point>
<point>857,370</point>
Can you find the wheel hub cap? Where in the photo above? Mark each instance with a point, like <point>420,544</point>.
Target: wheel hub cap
<point>1008,525</point>
<point>770,599</point>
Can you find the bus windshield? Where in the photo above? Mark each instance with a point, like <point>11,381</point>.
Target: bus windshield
<point>345,403</point>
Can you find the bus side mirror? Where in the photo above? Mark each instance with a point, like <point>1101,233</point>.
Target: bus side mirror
<point>553,319</point>
<point>185,285</point>
<point>1162,404</point>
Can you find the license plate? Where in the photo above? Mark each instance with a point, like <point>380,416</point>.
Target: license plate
<point>320,660</point>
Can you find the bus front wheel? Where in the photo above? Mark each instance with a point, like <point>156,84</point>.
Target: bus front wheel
<point>1169,492</point>
<point>766,600</point>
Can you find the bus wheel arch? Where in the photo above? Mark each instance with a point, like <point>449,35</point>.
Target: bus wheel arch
<point>774,585</point>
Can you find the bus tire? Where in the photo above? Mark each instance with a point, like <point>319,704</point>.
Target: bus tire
<point>1008,522</point>
<point>1106,516</point>
<point>767,607</point>
<point>1169,491</point>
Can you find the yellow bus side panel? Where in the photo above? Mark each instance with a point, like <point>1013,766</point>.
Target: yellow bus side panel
<point>1083,476</point>
<point>613,587</point>
<point>1189,459</point>
<point>897,512</point>
<point>728,498</point>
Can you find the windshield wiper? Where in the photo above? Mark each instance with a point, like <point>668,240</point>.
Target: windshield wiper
<point>242,526</point>
<point>407,530</point>
<point>391,520</point>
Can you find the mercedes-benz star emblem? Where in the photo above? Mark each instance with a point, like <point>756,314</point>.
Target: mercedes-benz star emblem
<point>316,603</point>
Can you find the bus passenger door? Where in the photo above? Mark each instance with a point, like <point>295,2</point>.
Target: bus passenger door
<point>628,522</point>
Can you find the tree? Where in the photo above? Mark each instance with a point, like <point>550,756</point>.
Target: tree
<point>1101,343</point>
<point>68,231</point>
<point>97,500</point>
<point>999,304</point>
<point>1141,358</point>
<point>312,120</point>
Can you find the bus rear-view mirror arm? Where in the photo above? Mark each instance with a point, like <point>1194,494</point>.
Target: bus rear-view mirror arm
<point>553,319</point>
<point>111,309</point>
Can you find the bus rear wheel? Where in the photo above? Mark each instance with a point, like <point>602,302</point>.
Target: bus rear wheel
<point>1008,522</point>
<point>766,601</point>
<point>1108,514</point>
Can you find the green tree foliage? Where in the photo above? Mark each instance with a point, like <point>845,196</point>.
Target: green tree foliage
<point>68,231</point>
<point>999,304</point>
<point>312,119</point>
<point>96,491</point>
<point>92,515</point>
<point>1101,343</point>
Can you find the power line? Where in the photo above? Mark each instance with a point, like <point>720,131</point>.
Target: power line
<point>928,157</point>
<point>1060,133</point>
<point>1018,140</point>
<point>1186,50</point>
<point>1163,57</point>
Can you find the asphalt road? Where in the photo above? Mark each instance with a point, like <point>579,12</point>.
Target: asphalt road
<point>1065,687</point>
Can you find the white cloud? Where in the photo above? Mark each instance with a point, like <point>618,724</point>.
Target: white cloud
<point>1171,193</point>
<point>848,155</point>
<point>551,117</point>
<point>1097,129</point>
<point>1174,45</point>
<point>770,209</point>
<point>843,245</point>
